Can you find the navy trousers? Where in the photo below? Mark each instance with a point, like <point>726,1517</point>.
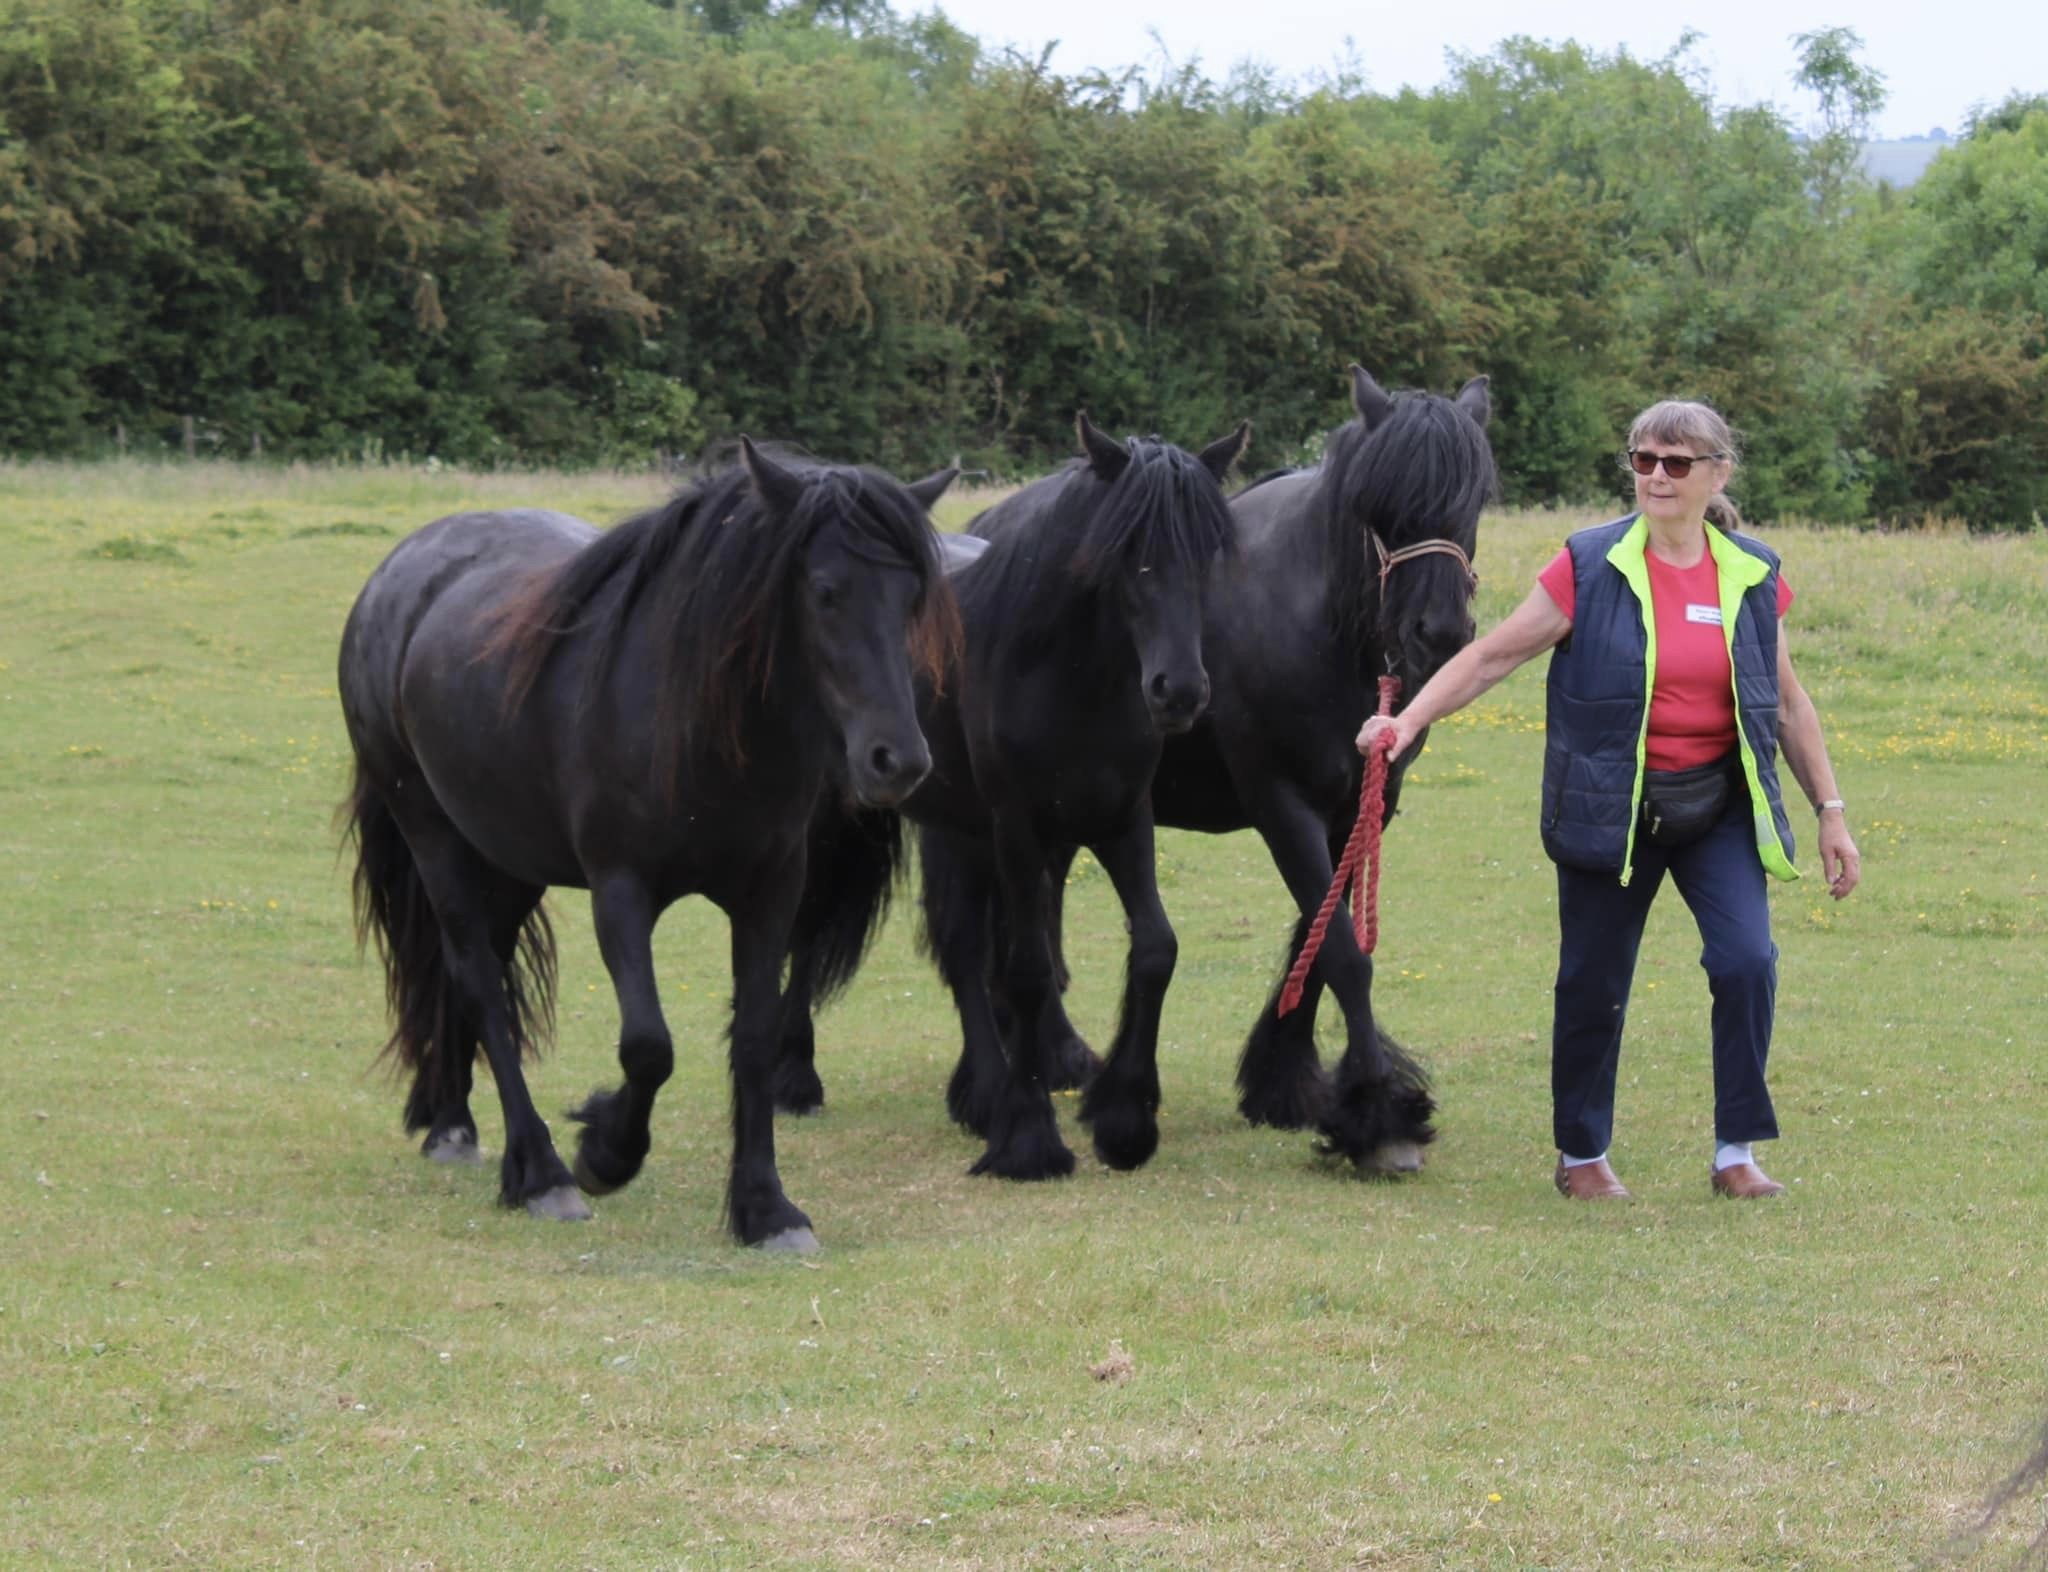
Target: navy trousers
<point>1601,929</point>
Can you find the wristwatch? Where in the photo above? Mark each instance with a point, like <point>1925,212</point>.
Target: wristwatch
<point>1832,802</point>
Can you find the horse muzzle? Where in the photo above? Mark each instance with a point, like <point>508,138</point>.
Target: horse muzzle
<point>1176,706</point>
<point>884,773</point>
<point>1425,649</point>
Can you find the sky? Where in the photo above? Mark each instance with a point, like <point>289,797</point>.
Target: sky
<point>1938,59</point>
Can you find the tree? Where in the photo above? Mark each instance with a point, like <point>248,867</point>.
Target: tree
<point>1959,420</point>
<point>1850,95</point>
<point>99,159</point>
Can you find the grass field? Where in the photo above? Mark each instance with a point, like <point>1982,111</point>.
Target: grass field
<point>243,1325</point>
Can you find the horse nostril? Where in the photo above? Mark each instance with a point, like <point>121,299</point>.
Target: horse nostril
<point>1160,687</point>
<point>892,771</point>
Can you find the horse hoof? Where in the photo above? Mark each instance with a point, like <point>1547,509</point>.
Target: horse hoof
<point>799,1096</point>
<point>1396,1159</point>
<point>791,1241</point>
<point>587,1181</point>
<point>456,1146</point>
<point>562,1204</point>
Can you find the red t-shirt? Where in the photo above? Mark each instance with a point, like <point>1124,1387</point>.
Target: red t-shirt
<point>1692,698</point>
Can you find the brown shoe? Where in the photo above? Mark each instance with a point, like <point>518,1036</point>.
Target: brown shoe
<point>1745,1182</point>
<point>1588,1182</point>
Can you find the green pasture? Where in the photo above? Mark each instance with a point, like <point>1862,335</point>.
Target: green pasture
<point>242,1324</point>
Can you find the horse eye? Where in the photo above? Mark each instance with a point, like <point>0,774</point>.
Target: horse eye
<point>826,593</point>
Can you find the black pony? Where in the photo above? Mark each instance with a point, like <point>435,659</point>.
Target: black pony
<point>1082,653</point>
<point>1357,567</point>
<point>650,712</point>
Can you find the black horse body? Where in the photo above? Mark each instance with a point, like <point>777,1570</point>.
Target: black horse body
<point>646,713</point>
<point>1082,652</point>
<point>1298,630</point>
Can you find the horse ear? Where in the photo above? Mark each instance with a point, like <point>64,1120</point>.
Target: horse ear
<point>1219,455</point>
<point>1368,397</point>
<point>1475,399</point>
<point>775,485</point>
<point>932,487</point>
<point>1106,456</point>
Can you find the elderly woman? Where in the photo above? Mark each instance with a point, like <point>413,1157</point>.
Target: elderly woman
<point>1671,692</point>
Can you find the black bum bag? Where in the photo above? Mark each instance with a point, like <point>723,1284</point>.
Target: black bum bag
<point>1679,806</point>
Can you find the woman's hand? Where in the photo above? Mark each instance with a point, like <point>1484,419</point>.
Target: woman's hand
<point>1840,862</point>
<point>1392,733</point>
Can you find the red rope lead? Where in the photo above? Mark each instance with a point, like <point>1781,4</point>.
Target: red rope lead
<point>1362,847</point>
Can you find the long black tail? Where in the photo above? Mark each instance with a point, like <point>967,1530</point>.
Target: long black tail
<point>854,865</point>
<point>434,1033</point>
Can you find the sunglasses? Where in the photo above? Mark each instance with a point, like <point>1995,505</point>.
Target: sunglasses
<point>1676,465</point>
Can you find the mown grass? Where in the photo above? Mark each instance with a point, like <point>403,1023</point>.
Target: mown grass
<point>242,1325</point>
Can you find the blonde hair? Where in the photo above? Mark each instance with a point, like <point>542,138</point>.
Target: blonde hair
<point>1700,427</point>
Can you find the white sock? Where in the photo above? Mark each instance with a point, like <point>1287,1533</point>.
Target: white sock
<point>1729,1153</point>
<point>1580,1162</point>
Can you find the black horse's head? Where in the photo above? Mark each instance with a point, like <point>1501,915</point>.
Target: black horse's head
<point>1160,523</point>
<point>867,598</point>
<point>1404,484</point>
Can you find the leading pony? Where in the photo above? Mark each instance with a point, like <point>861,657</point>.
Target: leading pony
<point>645,713</point>
<point>1082,653</point>
<point>1358,567</point>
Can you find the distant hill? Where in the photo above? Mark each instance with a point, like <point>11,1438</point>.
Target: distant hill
<point>1900,163</point>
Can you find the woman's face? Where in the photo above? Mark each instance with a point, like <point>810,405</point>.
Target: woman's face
<point>1674,499</point>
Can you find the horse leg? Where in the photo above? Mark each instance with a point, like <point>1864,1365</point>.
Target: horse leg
<point>477,907</point>
<point>433,1034</point>
<point>1121,1104</point>
<point>798,1090</point>
<point>1378,1110</point>
<point>756,1209</point>
<point>851,861</point>
<point>1073,1062</point>
<point>957,894</point>
<point>1024,1135</point>
<point>616,1133</point>
<point>438,1102</point>
<point>1280,1078</point>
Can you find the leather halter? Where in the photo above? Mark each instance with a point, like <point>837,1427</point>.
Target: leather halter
<point>1449,548</point>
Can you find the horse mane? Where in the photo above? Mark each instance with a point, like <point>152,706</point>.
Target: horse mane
<point>713,565</point>
<point>1422,473</point>
<point>1072,535</point>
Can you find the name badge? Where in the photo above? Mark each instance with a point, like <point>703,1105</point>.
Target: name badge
<point>1707,614</point>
